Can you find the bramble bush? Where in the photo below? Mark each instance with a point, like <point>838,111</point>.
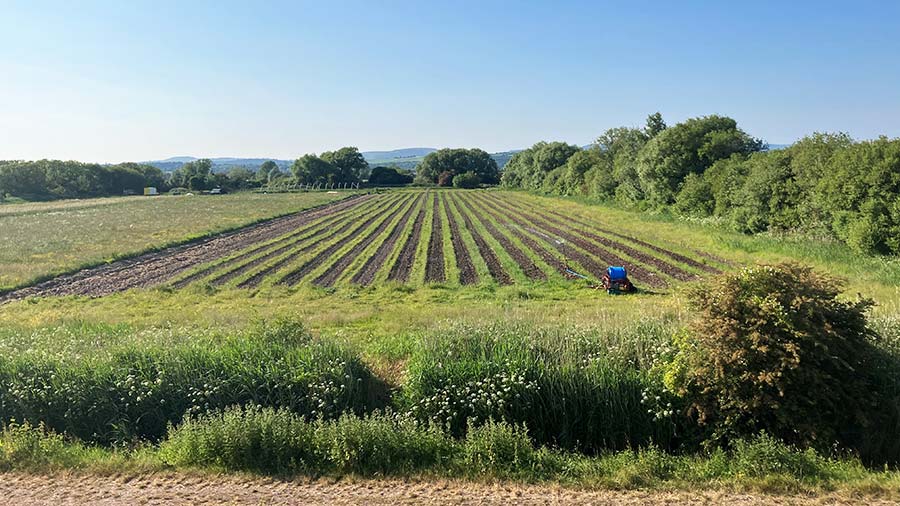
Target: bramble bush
<point>774,349</point>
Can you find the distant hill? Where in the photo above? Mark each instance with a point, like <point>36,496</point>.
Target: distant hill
<point>406,158</point>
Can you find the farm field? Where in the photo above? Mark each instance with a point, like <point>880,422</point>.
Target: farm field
<point>406,237</point>
<point>41,239</point>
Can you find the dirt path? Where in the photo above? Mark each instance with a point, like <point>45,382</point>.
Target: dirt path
<point>179,489</point>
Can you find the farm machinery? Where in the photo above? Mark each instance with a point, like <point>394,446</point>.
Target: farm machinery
<point>615,280</point>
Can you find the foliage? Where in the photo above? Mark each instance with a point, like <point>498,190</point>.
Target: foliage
<point>773,348</point>
<point>456,161</point>
<point>466,180</point>
<point>527,168</point>
<point>281,442</point>
<point>578,390</point>
<point>345,165</point>
<point>53,179</point>
<point>389,176</point>
<point>133,392</point>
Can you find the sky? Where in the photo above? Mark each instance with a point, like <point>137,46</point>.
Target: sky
<point>145,80</point>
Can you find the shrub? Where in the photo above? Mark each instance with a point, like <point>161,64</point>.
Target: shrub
<point>773,349</point>
<point>382,443</point>
<point>251,439</point>
<point>499,448</point>
<point>765,455</point>
<point>26,446</point>
<point>466,180</point>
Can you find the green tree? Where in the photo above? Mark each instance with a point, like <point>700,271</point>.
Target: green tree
<point>267,167</point>
<point>655,125</point>
<point>310,169</point>
<point>688,147</point>
<point>195,175</point>
<point>528,168</point>
<point>457,161</point>
<point>349,163</point>
<point>466,180</point>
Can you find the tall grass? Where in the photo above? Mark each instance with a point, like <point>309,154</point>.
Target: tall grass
<point>133,390</point>
<point>577,389</point>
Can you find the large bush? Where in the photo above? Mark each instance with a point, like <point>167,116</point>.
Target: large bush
<point>773,348</point>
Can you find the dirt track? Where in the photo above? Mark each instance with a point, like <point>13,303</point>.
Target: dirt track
<point>177,489</point>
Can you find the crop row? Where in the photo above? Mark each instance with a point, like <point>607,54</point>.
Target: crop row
<point>446,237</point>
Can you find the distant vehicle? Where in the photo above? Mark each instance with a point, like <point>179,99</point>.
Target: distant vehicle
<point>150,190</point>
<point>216,191</point>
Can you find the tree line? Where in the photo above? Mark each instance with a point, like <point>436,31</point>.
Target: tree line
<point>708,168</point>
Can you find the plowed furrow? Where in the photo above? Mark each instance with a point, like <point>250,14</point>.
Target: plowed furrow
<point>667,268</point>
<point>366,274</point>
<point>434,264</point>
<point>295,276</point>
<point>404,263</point>
<point>321,236</point>
<point>467,273</point>
<point>528,267</point>
<point>636,272</point>
<point>484,249</point>
<point>669,253</point>
<point>334,272</point>
<point>288,241</point>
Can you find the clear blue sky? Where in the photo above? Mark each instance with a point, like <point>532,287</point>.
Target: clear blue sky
<point>132,80</point>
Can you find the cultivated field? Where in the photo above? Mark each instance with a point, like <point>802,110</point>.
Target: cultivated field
<point>407,237</point>
<point>41,239</point>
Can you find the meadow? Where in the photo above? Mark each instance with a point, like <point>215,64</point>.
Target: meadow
<point>529,376</point>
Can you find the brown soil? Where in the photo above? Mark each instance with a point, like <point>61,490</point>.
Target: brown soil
<point>467,274</point>
<point>186,489</point>
<point>366,274</point>
<point>528,267</point>
<point>434,264</point>
<point>542,227</point>
<point>155,268</point>
<point>490,258</point>
<point>403,265</point>
<point>334,272</point>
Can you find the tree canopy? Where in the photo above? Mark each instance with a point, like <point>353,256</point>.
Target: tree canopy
<point>454,162</point>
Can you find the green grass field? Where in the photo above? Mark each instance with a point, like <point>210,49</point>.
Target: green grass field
<point>438,350</point>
